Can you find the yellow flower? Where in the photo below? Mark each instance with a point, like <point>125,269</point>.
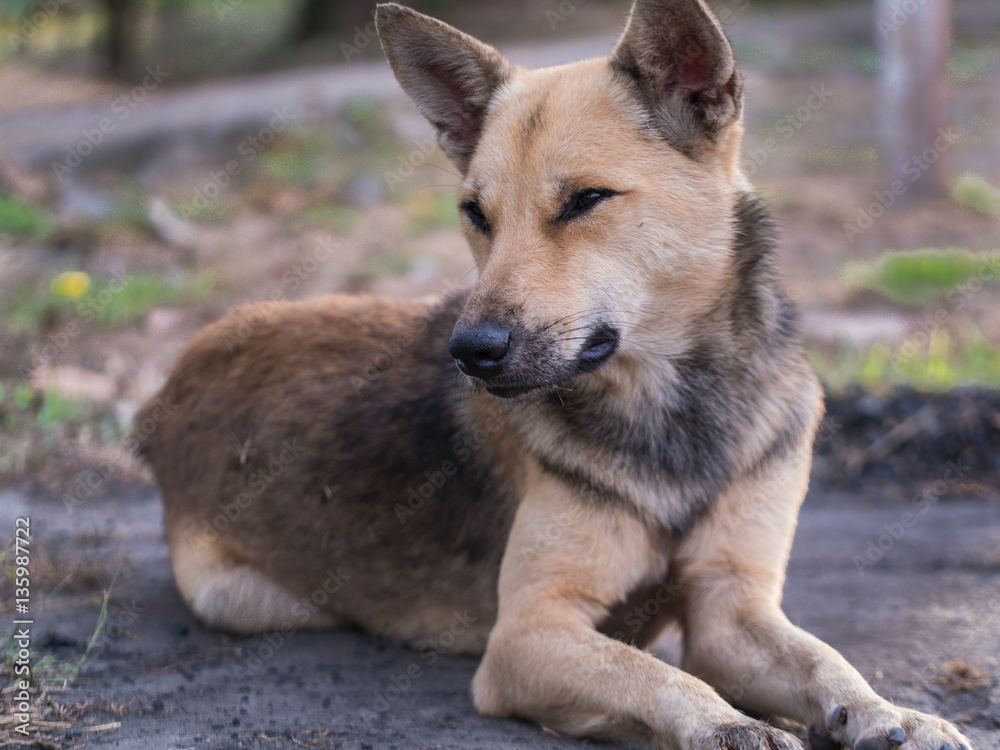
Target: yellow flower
<point>71,284</point>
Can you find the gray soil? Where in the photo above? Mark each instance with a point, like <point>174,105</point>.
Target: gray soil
<point>921,623</point>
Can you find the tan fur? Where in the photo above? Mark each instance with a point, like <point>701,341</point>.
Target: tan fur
<point>643,437</point>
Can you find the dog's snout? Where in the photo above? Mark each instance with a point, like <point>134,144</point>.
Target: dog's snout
<point>480,351</point>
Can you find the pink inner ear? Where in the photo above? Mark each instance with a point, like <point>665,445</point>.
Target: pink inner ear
<point>690,71</point>
<point>455,102</point>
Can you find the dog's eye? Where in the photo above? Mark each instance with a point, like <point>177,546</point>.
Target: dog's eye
<point>476,216</point>
<point>583,202</point>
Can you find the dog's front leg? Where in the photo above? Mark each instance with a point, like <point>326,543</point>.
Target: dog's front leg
<point>566,563</point>
<point>731,570</point>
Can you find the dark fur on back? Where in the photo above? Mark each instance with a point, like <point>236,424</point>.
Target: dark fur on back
<point>366,446</point>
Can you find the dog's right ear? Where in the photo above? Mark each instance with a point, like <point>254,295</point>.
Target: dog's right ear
<point>677,56</point>
<point>450,76</point>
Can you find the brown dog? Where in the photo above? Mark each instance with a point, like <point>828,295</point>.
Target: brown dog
<point>634,422</point>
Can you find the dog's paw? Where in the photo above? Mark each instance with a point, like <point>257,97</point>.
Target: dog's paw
<point>745,736</point>
<point>887,727</point>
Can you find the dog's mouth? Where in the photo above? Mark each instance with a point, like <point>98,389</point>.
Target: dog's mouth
<point>599,346</point>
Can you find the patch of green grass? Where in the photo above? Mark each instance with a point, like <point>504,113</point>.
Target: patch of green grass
<point>13,10</point>
<point>49,669</point>
<point>118,303</point>
<point>24,406</point>
<point>108,301</point>
<point>24,221</point>
<point>129,207</point>
<point>941,364</point>
<point>866,59</point>
<point>969,63</point>
<point>295,165</point>
<point>976,192</point>
<point>57,409</point>
<point>363,113</point>
<point>919,276</point>
<point>212,211</point>
<point>24,307</point>
<point>341,218</point>
<point>817,56</point>
<point>299,157</point>
<point>23,396</point>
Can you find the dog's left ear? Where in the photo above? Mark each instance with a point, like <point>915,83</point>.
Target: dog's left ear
<point>675,52</point>
<point>449,75</point>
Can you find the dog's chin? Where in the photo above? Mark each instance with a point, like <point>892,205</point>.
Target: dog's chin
<point>512,392</point>
<point>512,389</point>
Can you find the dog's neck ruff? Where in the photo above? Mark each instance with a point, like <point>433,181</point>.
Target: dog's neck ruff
<point>722,409</point>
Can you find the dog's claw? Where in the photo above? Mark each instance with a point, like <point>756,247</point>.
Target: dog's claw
<point>897,737</point>
<point>837,719</point>
<point>878,742</point>
<point>819,741</point>
<point>947,746</point>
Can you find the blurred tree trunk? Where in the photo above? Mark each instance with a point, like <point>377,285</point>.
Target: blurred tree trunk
<point>914,39</point>
<point>120,28</point>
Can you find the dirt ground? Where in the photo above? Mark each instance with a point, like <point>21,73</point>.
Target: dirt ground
<point>920,622</point>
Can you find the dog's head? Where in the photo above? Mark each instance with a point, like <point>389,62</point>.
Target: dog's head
<point>597,196</point>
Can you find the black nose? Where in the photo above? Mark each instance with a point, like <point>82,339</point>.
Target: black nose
<point>480,351</point>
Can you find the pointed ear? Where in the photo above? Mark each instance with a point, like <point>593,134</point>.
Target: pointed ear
<point>675,53</point>
<point>450,76</point>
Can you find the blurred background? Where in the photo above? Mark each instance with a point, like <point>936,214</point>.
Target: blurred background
<point>162,160</point>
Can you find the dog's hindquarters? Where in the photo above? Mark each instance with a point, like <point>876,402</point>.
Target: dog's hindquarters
<point>315,456</point>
